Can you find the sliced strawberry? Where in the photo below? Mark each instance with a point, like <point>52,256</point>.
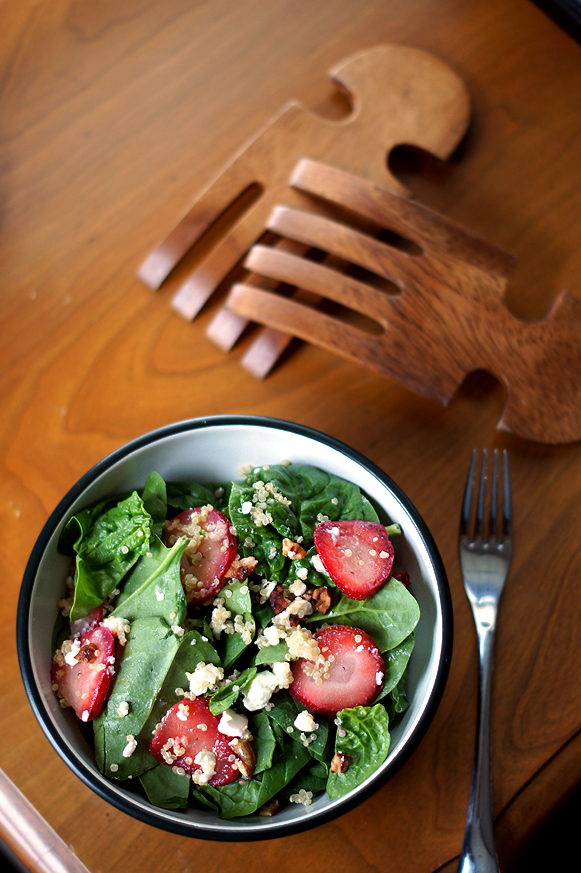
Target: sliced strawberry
<point>211,550</point>
<point>187,729</point>
<point>81,625</point>
<point>357,555</point>
<point>82,669</point>
<point>349,672</point>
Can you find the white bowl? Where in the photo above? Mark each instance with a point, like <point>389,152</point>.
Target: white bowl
<point>214,449</point>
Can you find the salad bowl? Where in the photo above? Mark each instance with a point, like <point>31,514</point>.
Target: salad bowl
<point>215,449</point>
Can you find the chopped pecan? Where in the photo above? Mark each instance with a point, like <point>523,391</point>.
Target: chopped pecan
<point>270,807</point>
<point>321,599</point>
<point>292,550</point>
<point>277,600</point>
<point>340,763</point>
<point>240,568</point>
<point>245,757</point>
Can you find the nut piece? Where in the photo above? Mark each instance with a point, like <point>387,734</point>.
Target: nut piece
<point>277,600</point>
<point>340,763</point>
<point>240,568</point>
<point>245,757</point>
<point>270,807</point>
<point>292,550</point>
<point>321,599</point>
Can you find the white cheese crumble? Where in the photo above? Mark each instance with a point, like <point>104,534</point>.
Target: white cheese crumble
<point>305,722</point>
<point>260,690</point>
<point>207,761</point>
<point>204,677</point>
<point>233,724</point>
<point>130,747</point>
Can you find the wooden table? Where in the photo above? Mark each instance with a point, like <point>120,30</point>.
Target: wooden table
<point>112,116</point>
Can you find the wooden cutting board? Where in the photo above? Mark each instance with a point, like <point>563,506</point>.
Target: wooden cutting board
<point>400,95</point>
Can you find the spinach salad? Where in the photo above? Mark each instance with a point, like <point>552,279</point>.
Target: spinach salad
<point>236,646</point>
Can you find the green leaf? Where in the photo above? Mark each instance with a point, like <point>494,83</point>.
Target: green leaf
<point>263,742</point>
<point>284,712</point>
<point>228,694</point>
<point>154,498</point>
<point>363,736</point>
<point>396,661</point>
<point>245,797</point>
<point>237,600</point>
<point>148,655</point>
<point>154,587</point>
<point>191,495</point>
<point>194,649</point>
<point>166,788</point>
<point>388,616</point>
<point>108,549</point>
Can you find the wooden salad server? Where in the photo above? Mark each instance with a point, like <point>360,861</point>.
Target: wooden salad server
<point>306,199</point>
<point>444,316</point>
<point>399,95</point>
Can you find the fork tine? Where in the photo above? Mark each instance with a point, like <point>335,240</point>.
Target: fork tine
<point>493,515</point>
<point>478,521</point>
<point>506,500</point>
<point>467,501</point>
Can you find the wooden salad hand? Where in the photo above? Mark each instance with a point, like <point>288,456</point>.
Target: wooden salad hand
<point>446,318</point>
<point>399,95</point>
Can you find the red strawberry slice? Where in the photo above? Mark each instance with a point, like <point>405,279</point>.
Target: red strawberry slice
<point>82,669</point>
<point>186,732</point>
<point>211,550</point>
<point>349,672</point>
<point>357,555</point>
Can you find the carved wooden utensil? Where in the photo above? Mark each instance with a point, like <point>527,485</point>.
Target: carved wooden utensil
<point>288,186</point>
<point>399,95</point>
<point>446,318</point>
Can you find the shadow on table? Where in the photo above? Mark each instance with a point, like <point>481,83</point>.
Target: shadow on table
<point>557,842</point>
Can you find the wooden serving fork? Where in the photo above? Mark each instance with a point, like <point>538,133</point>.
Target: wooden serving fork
<point>446,316</point>
<point>399,95</point>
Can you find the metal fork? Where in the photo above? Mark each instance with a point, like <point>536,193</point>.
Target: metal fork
<point>485,551</point>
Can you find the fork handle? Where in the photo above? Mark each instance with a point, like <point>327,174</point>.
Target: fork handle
<point>478,853</point>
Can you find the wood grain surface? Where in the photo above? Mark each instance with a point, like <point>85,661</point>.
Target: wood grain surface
<point>112,116</point>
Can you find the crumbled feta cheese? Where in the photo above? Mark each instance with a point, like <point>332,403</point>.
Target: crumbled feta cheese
<point>207,761</point>
<point>298,588</point>
<point>284,674</point>
<point>305,722</point>
<point>204,677</point>
<point>271,635</point>
<point>232,724</point>
<point>260,690</point>
<point>318,564</point>
<point>123,709</point>
<point>130,747</point>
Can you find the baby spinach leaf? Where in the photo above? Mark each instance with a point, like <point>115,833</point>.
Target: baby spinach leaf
<point>245,797</point>
<point>190,495</point>
<point>259,541</point>
<point>154,496</point>
<point>111,546</point>
<point>311,778</point>
<point>363,735</point>
<point>236,599</point>
<point>284,712</point>
<point>148,655</point>
<point>193,649</point>
<point>228,694</point>
<point>396,661</point>
<point>263,742</point>
<point>388,616</point>
<point>166,788</point>
<point>154,587</point>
